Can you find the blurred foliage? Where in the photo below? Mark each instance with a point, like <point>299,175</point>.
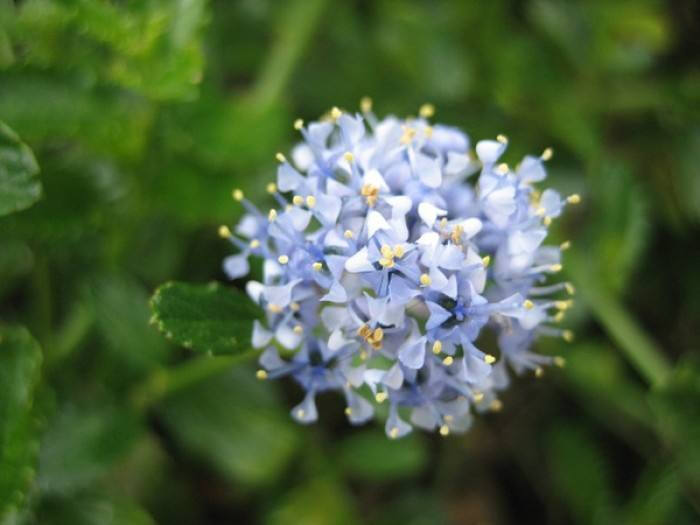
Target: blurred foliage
<point>143,115</point>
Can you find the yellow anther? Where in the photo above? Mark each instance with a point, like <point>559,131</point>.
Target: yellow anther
<point>425,279</point>
<point>496,405</point>
<point>370,193</point>
<point>502,139</point>
<point>573,199</point>
<point>335,113</point>
<point>237,195</point>
<point>364,331</point>
<point>271,187</point>
<point>562,305</point>
<point>444,430</point>
<point>387,251</point>
<point>261,374</point>
<point>428,131</point>
<point>489,359</point>
<point>502,168</point>
<point>437,347</point>
<point>528,304</point>
<point>348,411</point>
<point>565,245</point>
<point>486,261</point>
<point>298,124</point>
<point>274,308</point>
<point>280,157</point>
<point>381,397</point>
<point>298,329</point>
<point>555,268</point>
<point>297,200</point>
<point>255,243</point>
<point>567,335</point>
<point>224,232</point>
<point>348,156</point>
<point>426,110</point>
<point>540,212</point>
<point>317,266</point>
<point>547,154</point>
<point>378,334</point>
<point>408,134</point>
<point>386,262</point>
<point>448,360</point>
<point>478,397</point>
<point>294,307</point>
<point>364,355</point>
<point>539,372</point>
<point>569,288</point>
<point>399,251</point>
<point>272,215</point>
<point>394,433</point>
<point>559,361</point>
<point>348,234</point>
<point>559,317</point>
<point>456,234</point>
<point>365,104</point>
<point>443,223</point>
<point>283,259</point>
<point>300,413</point>
<point>547,220</point>
<point>310,201</point>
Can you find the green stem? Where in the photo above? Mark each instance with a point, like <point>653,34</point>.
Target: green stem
<point>641,351</point>
<point>164,382</point>
<point>296,29</point>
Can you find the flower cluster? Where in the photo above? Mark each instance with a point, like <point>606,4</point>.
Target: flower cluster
<point>386,257</point>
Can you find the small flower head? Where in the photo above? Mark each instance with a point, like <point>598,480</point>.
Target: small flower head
<point>386,260</point>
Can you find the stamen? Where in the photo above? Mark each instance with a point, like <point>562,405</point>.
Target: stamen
<point>272,215</point>
<point>254,243</point>
<point>496,405</point>
<point>502,139</point>
<point>298,124</point>
<point>381,397</point>
<point>567,335</point>
<point>547,154</point>
<point>237,195</point>
<point>399,251</point>
<point>261,374</point>
<point>486,260</point>
<point>425,279</point>
<point>478,397</point>
<point>298,329</point>
<point>280,157</point>
<point>489,359</point>
<point>570,288</point>
<point>294,307</point>
<point>559,361</point>
<point>310,201</point>
<point>317,266</point>
<point>565,245</point>
<point>426,110</point>
<point>348,156</point>
<point>297,200</point>
<point>573,199</point>
<point>275,309</point>
<point>348,411</point>
<point>271,187</point>
<point>370,193</point>
<point>348,234</point>
<point>365,104</point>
<point>283,259</point>
<point>224,232</point>
<point>528,304</point>
<point>502,168</point>
<point>394,433</point>
<point>555,268</point>
<point>448,360</point>
<point>335,113</point>
<point>539,372</point>
<point>444,430</point>
<point>437,347</point>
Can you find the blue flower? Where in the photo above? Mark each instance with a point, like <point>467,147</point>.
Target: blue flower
<point>385,260</point>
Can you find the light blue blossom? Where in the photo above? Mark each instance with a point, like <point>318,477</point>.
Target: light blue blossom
<point>384,261</point>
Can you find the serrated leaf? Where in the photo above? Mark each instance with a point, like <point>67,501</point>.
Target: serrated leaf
<point>19,183</point>
<point>208,318</point>
<point>369,455</point>
<point>20,363</point>
<point>235,424</point>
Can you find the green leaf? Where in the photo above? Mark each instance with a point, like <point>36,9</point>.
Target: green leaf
<point>19,182</point>
<point>369,455</point>
<point>20,363</point>
<point>234,423</point>
<point>93,510</point>
<point>208,318</point>
<point>321,500</point>
<point>81,445</point>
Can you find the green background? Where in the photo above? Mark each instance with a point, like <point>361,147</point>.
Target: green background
<point>143,115</point>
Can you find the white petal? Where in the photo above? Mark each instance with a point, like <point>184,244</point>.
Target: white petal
<point>305,412</point>
<point>236,266</point>
<point>471,227</point>
<point>428,170</point>
<point>374,178</point>
<point>376,222</point>
<point>261,336</point>
<point>336,294</point>
<point>287,337</point>
<point>394,377</point>
<point>254,289</point>
<point>489,151</point>
<point>288,179</point>
<point>412,353</point>
<point>429,213</point>
<point>359,262</point>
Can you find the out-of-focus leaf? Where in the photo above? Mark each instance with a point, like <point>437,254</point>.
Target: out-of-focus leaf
<point>81,445</point>
<point>19,182</point>
<point>580,474</point>
<point>20,364</point>
<point>234,423</point>
<point>94,510</point>
<point>16,260</point>
<point>656,497</point>
<point>153,48</point>
<point>121,308</point>
<point>208,318</point>
<point>420,507</point>
<point>316,502</point>
<point>676,406</point>
<point>369,455</point>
